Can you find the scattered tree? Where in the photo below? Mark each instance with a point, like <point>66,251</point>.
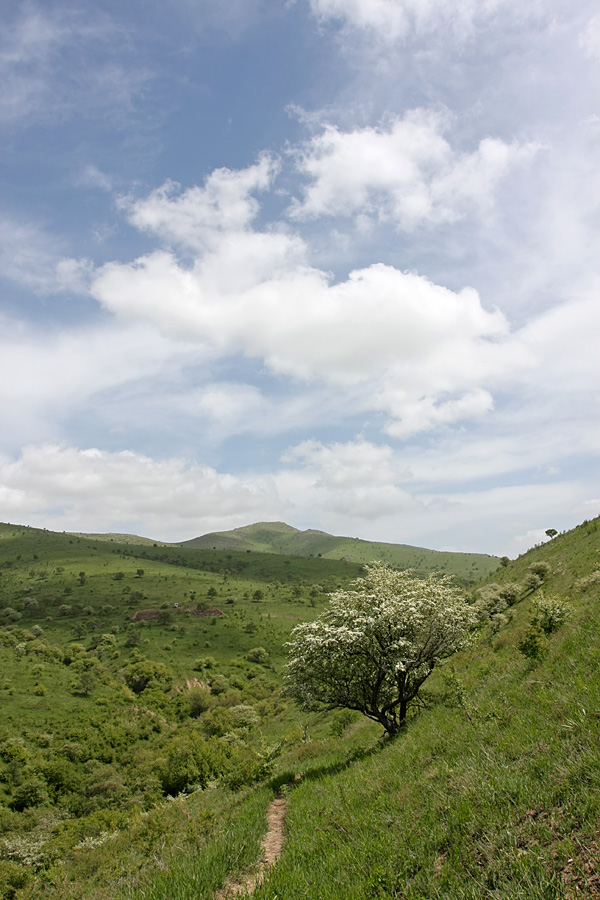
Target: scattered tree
<point>373,648</point>
<point>145,673</point>
<point>551,532</point>
<point>258,655</point>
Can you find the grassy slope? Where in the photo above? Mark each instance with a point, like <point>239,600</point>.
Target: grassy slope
<point>498,796</point>
<point>492,792</point>
<point>277,537</point>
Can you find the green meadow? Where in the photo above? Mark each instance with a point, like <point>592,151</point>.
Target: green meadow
<point>143,734</point>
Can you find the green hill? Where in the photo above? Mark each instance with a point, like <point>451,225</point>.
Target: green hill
<point>277,537</point>
<point>110,789</point>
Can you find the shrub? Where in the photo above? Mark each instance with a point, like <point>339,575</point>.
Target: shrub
<point>13,877</point>
<point>588,581</point>
<point>145,674</point>
<point>511,592</point>
<point>191,762</point>
<point>533,646</point>
<point>533,581</point>
<point>258,655</point>
<point>243,716</point>
<point>10,615</point>
<point>551,613</point>
<point>218,684</point>
<point>30,793</point>
<point>204,662</point>
<point>540,568</point>
<point>196,699</point>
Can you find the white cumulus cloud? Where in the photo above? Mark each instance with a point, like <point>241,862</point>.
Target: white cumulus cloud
<point>406,173</point>
<point>410,344</point>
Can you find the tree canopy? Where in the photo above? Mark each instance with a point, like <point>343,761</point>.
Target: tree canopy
<point>374,646</point>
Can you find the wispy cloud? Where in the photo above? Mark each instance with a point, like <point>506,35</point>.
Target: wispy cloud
<point>51,70</point>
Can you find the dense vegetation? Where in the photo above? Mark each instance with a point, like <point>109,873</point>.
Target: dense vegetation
<point>141,740</point>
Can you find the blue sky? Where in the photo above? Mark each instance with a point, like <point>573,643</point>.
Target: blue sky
<point>332,262</point>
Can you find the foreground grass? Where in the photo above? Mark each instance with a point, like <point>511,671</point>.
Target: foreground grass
<point>493,792</point>
<point>498,797</point>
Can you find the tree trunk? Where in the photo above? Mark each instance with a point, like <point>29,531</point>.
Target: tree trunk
<point>403,707</point>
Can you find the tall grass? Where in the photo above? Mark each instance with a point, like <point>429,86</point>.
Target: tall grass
<point>234,846</point>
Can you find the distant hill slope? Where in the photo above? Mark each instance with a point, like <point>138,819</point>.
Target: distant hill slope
<point>277,537</point>
<point>118,538</point>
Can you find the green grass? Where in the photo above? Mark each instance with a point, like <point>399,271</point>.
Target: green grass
<point>492,790</point>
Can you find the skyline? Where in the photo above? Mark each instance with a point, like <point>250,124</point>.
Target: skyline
<point>333,263</point>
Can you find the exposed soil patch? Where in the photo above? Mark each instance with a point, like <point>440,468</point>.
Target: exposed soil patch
<point>581,875</point>
<point>145,615</point>
<point>213,611</point>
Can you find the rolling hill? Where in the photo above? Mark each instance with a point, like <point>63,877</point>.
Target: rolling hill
<point>277,537</point>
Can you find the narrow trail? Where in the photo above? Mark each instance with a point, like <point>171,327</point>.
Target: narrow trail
<point>272,845</point>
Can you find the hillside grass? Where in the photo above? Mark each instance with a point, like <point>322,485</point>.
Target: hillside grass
<point>490,791</point>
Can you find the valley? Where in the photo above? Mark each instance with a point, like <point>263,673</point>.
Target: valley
<point>144,737</point>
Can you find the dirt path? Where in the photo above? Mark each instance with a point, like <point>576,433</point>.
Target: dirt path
<point>272,846</point>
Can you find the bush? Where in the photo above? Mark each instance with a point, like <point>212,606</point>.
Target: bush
<point>588,581</point>
<point>511,592</point>
<point>191,762</point>
<point>533,645</point>
<point>533,581</point>
<point>10,615</point>
<point>243,716</point>
<point>540,568</point>
<point>147,674</point>
<point>30,793</point>
<point>258,655</point>
<point>218,684</point>
<point>204,662</point>
<point>197,700</point>
<point>13,877</point>
<point>551,613</point>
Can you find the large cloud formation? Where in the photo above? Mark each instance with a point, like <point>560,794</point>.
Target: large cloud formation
<point>422,352</point>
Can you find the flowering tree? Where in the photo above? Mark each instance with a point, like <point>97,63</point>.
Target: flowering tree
<point>373,648</point>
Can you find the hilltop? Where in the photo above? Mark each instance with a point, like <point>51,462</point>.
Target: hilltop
<point>277,537</point>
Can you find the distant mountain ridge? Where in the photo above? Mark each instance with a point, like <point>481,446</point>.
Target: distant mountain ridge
<point>278,537</point>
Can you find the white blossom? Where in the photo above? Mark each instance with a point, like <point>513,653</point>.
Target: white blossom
<point>374,646</point>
